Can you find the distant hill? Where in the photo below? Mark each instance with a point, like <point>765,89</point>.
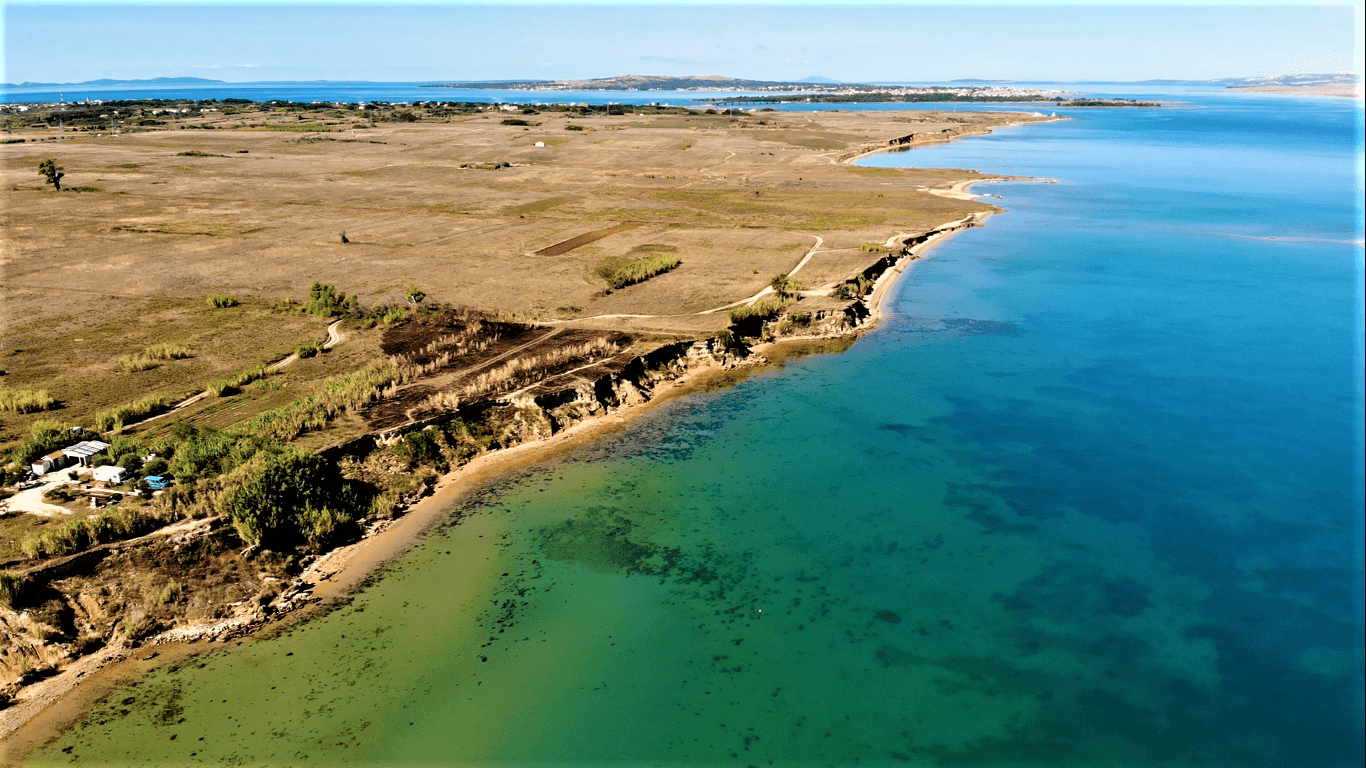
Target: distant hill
<point>1336,78</point>
<point>153,81</point>
<point>1341,78</point>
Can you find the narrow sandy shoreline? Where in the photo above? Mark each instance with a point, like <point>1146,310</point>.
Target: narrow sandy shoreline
<point>47,708</point>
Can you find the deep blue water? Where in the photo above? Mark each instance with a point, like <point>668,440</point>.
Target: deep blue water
<point>1091,495</point>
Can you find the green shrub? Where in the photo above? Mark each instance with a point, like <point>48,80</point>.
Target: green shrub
<point>618,272</point>
<point>859,286</point>
<point>220,301</point>
<point>196,153</point>
<point>764,308</point>
<point>324,301</point>
<point>229,384</point>
<point>25,401</point>
<point>519,121</point>
<point>210,452</point>
<point>572,127</point>
<point>13,588</point>
<point>309,349</point>
<point>47,436</point>
<point>283,497</point>
<point>419,447</point>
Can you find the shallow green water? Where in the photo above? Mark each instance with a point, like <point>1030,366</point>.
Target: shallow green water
<point>1090,496</point>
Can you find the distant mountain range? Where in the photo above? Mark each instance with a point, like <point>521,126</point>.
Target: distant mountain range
<point>153,81</point>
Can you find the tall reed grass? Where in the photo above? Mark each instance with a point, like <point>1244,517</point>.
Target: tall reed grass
<point>151,356</point>
<point>522,370</point>
<point>337,396</point>
<point>25,401</point>
<point>764,308</point>
<point>115,418</point>
<point>618,272</point>
<point>228,384</point>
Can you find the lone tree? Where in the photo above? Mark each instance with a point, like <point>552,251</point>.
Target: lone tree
<point>785,285</point>
<point>414,294</point>
<point>53,172</point>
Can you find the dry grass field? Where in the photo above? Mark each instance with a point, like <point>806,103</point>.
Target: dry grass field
<point>470,209</point>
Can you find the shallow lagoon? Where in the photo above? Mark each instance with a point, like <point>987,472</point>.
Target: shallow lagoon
<point>1091,494</point>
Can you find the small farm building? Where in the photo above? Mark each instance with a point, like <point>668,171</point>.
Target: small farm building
<point>53,461</point>
<point>82,452</point>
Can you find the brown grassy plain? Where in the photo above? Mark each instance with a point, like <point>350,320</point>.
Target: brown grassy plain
<point>87,277</point>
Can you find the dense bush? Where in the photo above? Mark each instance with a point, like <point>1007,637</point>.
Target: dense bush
<point>619,273</point>
<point>206,452</point>
<point>222,301</point>
<point>309,349</point>
<point>324,301</point>
<point>25,401</point>
<point>13,587</point>
<point>288,496</point>
<point>859,286</point>
<point>419,447</point>
<point>229,384</point>
<point>47,436</point>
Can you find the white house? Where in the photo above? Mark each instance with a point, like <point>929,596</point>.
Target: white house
<point>110,474</point>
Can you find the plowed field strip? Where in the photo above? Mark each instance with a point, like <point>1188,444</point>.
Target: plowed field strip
<point>559,249</point>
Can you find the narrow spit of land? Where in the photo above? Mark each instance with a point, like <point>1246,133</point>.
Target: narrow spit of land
<point>470,247</point>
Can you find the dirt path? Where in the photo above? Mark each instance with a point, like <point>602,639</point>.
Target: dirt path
<point>334,337</point>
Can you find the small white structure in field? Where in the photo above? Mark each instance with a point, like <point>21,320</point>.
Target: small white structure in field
<point>110,474</point>
<point>540,143</point>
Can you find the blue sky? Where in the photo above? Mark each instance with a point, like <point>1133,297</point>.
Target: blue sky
<point>47,42</point>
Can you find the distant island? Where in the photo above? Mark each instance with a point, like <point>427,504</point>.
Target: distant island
<point>1347,85</point>
<point>804,91</point>
<point>657,83</point>
<point>153,81</point>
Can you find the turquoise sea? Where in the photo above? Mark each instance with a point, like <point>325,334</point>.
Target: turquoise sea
<point>1092,494</point>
